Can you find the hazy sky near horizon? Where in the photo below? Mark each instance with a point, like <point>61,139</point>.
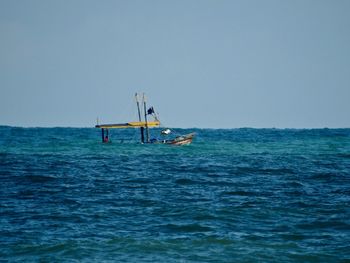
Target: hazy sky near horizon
<point>216,64</point>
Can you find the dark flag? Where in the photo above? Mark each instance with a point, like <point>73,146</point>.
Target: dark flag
<point>150,110</point>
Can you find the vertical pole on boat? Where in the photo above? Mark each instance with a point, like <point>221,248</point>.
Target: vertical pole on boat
<point>103,134</point>
<point>139,112</point>
<point>144,107</point>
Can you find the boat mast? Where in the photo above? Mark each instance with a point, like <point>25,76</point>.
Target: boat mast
<point>139,112</point>
<point>144,106</point>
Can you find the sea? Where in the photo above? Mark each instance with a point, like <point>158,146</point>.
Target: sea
<point>233,195</point>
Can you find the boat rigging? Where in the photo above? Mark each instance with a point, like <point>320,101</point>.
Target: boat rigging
<point>145,126</point>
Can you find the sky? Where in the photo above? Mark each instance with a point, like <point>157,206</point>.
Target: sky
<point>204,64</point>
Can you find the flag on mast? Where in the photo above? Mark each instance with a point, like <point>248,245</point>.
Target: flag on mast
<point>150,111</point>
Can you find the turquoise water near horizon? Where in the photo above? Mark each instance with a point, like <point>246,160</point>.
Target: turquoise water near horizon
<point>233,195</point>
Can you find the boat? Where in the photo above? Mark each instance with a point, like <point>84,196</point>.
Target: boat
<point>145,125</point>
<point>182,140</point>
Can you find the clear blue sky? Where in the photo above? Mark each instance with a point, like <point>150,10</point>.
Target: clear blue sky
<point>218,64</point>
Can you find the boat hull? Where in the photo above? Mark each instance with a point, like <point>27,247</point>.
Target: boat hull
<point>182,140</point>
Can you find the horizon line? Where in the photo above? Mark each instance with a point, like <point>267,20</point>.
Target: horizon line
<point>198,128</point>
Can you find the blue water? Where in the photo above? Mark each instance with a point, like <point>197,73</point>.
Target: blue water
<point>240,195</point>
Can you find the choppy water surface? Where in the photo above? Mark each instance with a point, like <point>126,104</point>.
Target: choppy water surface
<point>241,195</point>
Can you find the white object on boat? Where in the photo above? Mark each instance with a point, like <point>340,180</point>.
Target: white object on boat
<point>166,131</point>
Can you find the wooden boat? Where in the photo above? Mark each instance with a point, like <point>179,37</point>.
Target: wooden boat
<point>182,140</point>
<point>145,126</point>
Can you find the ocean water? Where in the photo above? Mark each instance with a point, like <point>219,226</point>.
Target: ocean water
<point>239,195</point>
